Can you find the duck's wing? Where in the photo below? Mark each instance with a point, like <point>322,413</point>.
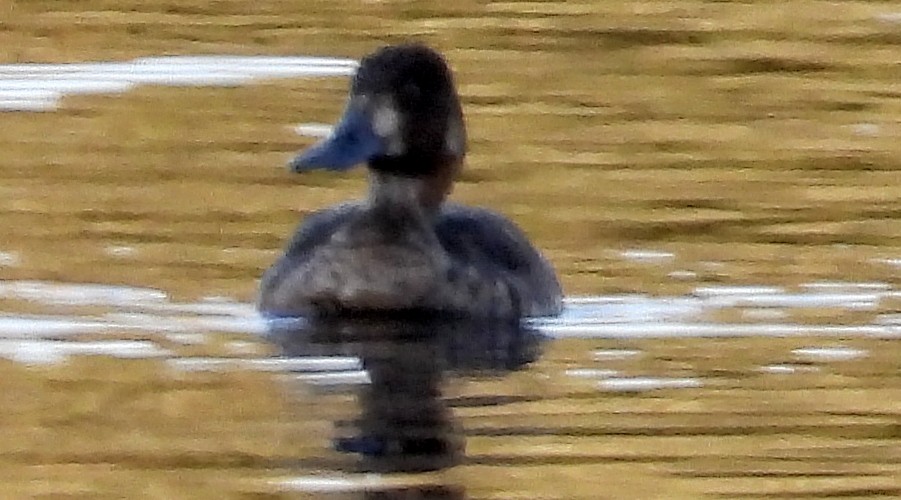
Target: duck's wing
<point>315,230</point>
<point>500,250</point>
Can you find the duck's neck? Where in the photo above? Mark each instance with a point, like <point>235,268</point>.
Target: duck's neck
<point>408,196</point>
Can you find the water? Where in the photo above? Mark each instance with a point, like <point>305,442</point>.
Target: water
<point>40,87</point>
<point>715,182</point>
<point>129,309</point>
<point>718,381</point>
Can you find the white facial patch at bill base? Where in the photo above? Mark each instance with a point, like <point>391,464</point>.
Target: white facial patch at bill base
<point>455,137</point>
<point>387,124</point>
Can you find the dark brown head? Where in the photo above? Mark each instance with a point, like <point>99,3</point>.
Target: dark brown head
<point>403,118</point>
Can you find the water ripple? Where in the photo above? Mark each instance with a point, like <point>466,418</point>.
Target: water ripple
<point>39,87</point>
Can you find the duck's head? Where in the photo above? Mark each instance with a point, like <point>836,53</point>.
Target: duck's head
<point>403,119</point>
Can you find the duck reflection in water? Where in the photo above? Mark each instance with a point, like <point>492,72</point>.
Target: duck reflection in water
<point>405,424</point>
<point>403,248</point>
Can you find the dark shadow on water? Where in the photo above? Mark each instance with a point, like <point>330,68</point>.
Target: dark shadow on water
<point>405,423</point>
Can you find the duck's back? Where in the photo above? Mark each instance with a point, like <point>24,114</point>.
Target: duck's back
<point>472,261</point>
<point>500,250</point>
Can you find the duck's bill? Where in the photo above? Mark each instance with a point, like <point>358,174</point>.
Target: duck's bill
<point>353,141</point>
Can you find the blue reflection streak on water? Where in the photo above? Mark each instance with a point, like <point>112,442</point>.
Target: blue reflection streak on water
<point>136,310</point>
<point>39,87</point>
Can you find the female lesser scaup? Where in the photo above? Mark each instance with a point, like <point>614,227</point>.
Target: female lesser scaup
<point>403,249</point>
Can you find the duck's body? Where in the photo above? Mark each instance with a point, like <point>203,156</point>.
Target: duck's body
<point>472,261</point>
<point>403,249</point>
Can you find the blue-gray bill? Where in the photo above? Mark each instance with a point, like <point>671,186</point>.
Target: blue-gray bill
<point>352,142</point>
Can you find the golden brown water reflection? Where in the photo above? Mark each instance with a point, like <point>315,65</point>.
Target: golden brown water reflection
<point>755,142</point>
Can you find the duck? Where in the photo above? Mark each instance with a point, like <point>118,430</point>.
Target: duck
<point>404,248</point>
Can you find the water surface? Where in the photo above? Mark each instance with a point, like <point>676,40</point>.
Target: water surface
<point>716,183</point>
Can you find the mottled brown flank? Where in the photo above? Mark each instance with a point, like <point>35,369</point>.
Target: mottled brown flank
<point>381,261</point>
<point>758,141</point>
